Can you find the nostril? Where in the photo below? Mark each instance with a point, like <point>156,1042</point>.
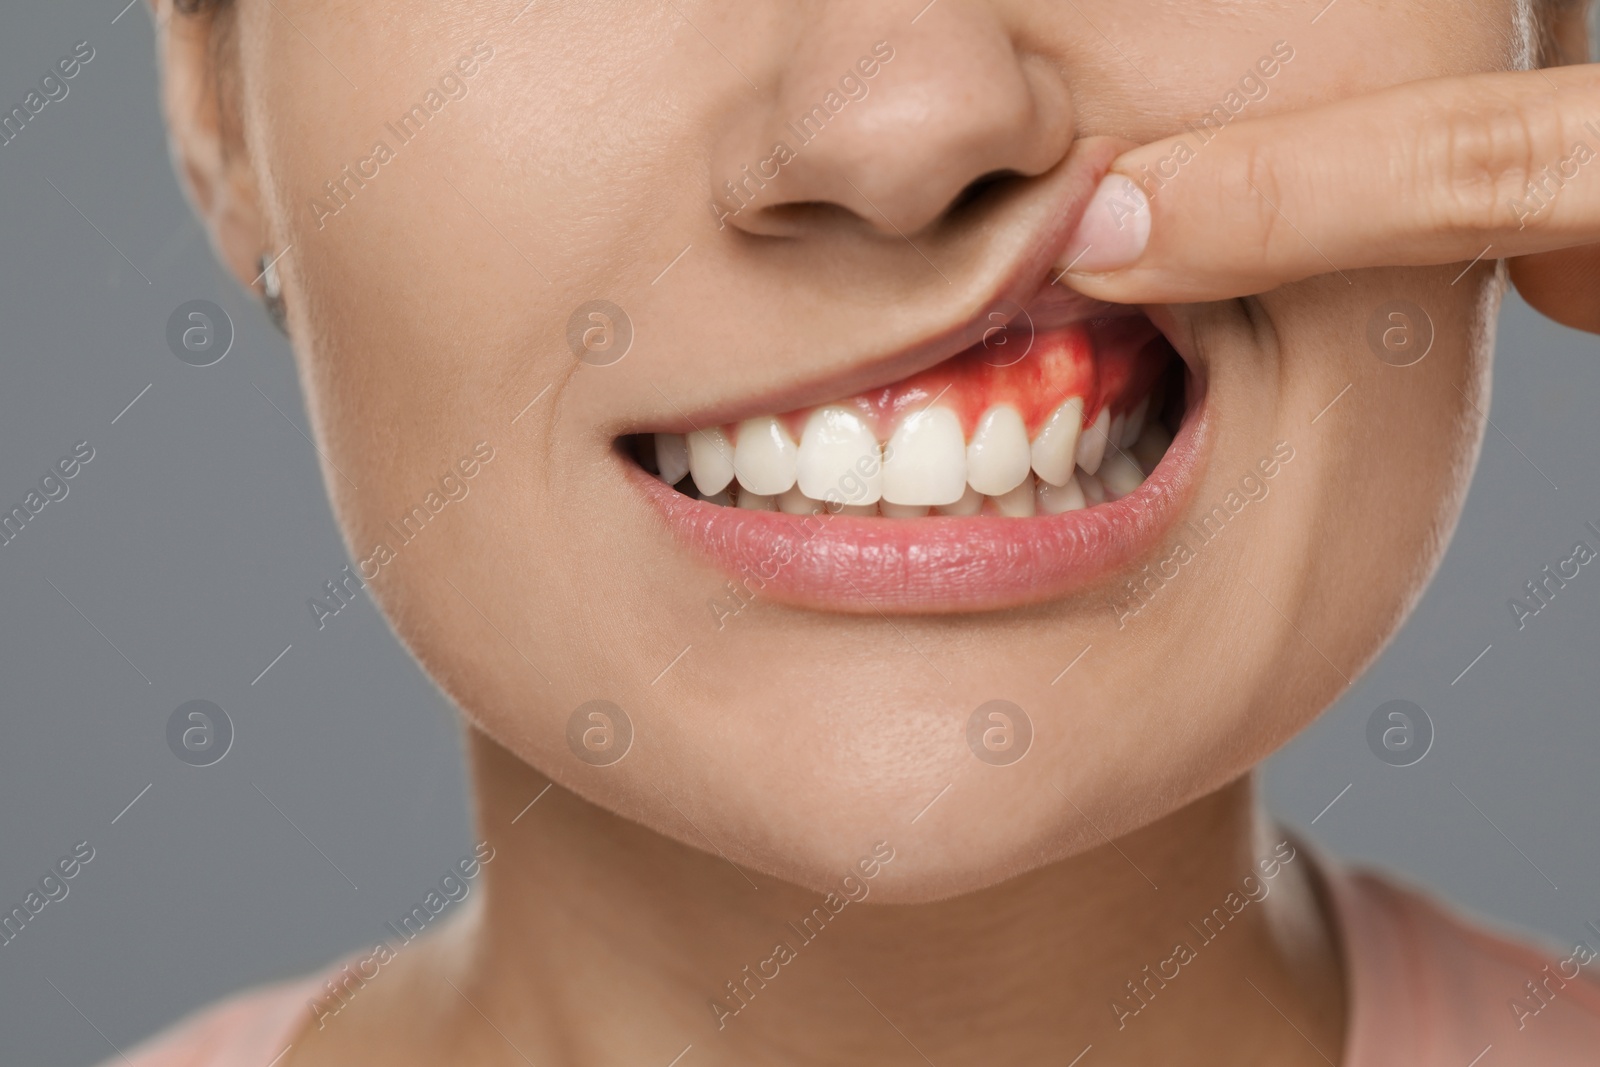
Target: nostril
<point>979,187</point>
<point>790,218</point>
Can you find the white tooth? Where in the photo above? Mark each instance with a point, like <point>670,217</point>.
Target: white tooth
<point>1058,443</point>
<point>1017,504</point>
<point>1092,444</point>
<point>1121,475</point>
<point>839,458</point>
<point>926,461</point>
<point>1056,499</point>
<point>721,499</point>
<point>794,502</point>
<point>765,456</point>
<point>853,509</point>
<point>1151,446</point>
<point>998,456</point>
<point>971,503</point>
<point>901,511</point>
<point>672,457</point>
<point>710,460</point>
<point>1093,491</point>
<point>1119,423</point>
<point>1135,426</point>
<point>756,502</point>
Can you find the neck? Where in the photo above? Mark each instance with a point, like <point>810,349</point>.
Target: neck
<point>1201,938</point>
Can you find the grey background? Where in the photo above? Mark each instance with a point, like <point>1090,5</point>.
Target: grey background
<point>188,546</point>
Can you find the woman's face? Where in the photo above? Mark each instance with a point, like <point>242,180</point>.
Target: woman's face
<point>461,186</point>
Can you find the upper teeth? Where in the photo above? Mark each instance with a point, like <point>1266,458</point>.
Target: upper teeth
<point>997,458</point>
<point>765,456</point>
<point>839,458</point>
<point>710,461</point>
<point>1091,443</point>
<point>927,463</point>
<point>1056,449</point>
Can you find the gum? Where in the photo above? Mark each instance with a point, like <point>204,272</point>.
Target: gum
<point>1111,362</point>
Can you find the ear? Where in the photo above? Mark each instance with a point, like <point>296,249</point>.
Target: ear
<point>1564,32</point>
<point>196,56</point>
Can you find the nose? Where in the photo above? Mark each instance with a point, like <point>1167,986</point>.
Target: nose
<point>889,121</point>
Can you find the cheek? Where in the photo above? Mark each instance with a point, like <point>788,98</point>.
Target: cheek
<point>1303,588</point>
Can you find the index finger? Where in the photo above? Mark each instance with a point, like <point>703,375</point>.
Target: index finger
<point>1439,171</point>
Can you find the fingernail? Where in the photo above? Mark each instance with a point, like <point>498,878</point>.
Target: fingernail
<point>1114,230</point>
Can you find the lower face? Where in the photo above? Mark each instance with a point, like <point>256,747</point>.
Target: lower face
<point>809,504</point>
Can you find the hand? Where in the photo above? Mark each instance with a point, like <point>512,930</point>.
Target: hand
<point>1483,167</point>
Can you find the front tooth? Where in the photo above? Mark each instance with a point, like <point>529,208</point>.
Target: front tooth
<point>794,502</point>
<point>1056,499</point>
<point>721,499</point>
<point>1058,443</point>
<point>1092,444</point>
<point>838,453</point>
<point>1120,474</point>
<point>710,460</point>
<point>756,502</point>
<point>1135,426</point>
<point>1017,504</point>
<point>926,461</point>
<point>764,458</point>
<point>672,457</point>
<point>1119,423</point>
<point>998,457</point>
<point>902,511</point>
<point>971,503</point>
<point>861,510</point>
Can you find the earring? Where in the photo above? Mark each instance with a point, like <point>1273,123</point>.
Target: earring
<point>272,293</point>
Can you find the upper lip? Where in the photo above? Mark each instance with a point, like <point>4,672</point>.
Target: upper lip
<point>1049,208</point>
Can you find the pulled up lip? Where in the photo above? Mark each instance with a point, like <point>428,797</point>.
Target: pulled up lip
<point>936,564</point>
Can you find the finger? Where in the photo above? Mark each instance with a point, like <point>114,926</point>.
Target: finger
<point>1563,285</point>
<point>1439,171</point>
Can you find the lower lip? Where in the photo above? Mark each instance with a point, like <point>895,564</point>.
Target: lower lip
<point>937,564</point>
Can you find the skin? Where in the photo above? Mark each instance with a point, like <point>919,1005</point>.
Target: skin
<point>430,314</point>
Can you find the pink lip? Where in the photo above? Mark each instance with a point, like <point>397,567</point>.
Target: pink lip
<point>936,564</point>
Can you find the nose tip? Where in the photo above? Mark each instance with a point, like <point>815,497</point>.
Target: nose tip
<point>893,133</point>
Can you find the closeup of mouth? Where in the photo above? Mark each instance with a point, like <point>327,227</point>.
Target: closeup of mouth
<point>1019,469</point>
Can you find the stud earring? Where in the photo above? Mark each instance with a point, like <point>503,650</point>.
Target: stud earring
<point>272,293</point>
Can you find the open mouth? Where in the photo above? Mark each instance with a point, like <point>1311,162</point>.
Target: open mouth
<point>1017,470</point>
<point>1023,424</point>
